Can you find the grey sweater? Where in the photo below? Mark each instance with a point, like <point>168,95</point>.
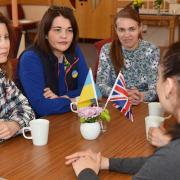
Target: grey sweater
<point>164,164</point>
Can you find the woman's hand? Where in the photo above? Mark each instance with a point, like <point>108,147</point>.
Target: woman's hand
<point>157,137</point>
<point>135,96</point>
<point>8,129</point>
<point>74,157</point>
<point>87,162</point>
<point>49,94</point>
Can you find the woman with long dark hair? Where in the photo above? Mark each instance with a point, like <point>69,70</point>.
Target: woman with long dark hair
<point>52,72</point>
<point>15,112</point>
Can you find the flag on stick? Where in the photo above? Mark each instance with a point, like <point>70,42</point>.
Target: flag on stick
<point>89,93</point>
<point>119,97</point>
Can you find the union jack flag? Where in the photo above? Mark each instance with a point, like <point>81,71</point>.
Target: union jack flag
<point>119,97</point>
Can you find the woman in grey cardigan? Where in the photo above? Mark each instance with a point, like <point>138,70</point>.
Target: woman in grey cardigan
<point>165,162</point>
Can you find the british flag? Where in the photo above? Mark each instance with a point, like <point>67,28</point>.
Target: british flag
<point>119,97</point>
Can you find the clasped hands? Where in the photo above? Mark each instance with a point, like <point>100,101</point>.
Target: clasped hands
<point>135,96</point>
<point>87,159</point>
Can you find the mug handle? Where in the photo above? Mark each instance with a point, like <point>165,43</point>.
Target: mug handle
<point>23,131</point>
<point>168,117</point>
<point>72,107</point>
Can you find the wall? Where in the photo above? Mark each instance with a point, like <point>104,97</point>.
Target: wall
<point>157,35</point>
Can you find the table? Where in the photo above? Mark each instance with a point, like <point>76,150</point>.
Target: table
<point>21,160</point>
<point>169,20</point>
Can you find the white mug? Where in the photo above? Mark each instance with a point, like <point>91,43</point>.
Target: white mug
<point>155,109</point>
<point>73,107</point>
<point>39,131</point>
<point>152,121</point>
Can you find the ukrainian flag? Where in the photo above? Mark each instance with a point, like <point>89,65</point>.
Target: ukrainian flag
<point>88,94</point>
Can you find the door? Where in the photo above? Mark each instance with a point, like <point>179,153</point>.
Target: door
<point>93,17</point>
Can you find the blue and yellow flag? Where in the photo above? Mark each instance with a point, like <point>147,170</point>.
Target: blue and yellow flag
<point>88,94</point>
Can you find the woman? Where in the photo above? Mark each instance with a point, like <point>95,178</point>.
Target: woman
<point>52,72</point>
<point>136,58</point>
<point>15,112</point>
<point>165,162</point>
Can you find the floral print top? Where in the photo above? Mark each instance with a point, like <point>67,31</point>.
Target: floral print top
<point>140,69</point>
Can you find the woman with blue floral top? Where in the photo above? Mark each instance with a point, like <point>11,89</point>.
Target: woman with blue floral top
<point>52,72</point>
<point>15,111</point>
<point>137,59</point>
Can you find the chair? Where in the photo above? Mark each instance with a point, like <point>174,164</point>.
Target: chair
<point>98,45</point>
<point>16,42</point>
<point>21,16</point>
<point>25,24</point>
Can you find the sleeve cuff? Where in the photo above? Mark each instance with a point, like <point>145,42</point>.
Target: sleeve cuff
<point>87,174</point>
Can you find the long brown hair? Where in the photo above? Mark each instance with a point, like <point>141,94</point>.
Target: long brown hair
<point>6,67</point>
<point>116,47</point>
<point>44,27</point>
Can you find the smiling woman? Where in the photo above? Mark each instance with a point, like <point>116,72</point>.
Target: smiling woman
<point>15,111</point>
<point>52,72</point>
<point>136,58</point>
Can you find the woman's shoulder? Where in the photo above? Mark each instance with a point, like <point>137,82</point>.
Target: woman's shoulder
<point>106,48</point>
<point>107,45</point>
<point>29,52</point>
<point>147,44</point>
<point>29,56</point>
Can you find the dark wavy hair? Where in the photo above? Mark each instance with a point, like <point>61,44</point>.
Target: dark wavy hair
<point>170,66</point>
<point>43,48</point>
<point>6,67</point>
<point>44,27</point>
<point>116,47</point>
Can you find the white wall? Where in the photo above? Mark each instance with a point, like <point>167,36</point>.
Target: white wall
<point>159,36</point>
<point>34,12</point>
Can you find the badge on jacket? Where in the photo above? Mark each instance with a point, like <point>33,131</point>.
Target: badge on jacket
<point>74,74</point>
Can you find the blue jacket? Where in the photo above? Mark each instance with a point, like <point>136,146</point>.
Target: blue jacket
<point>72,74</point>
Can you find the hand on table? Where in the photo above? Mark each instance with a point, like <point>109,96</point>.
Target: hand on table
<point>87,162</point>
<point>8,129</point>
<point>88,159</point>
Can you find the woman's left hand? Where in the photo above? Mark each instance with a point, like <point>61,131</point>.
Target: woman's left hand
<point>8,129</point>
<point>49,94</point>
<point>83,162</point>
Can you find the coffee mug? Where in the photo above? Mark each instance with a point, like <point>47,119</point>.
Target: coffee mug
<point>155,109</point>
<point>39,131</point>
<point>73,107</point>
<point>152,121</point>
